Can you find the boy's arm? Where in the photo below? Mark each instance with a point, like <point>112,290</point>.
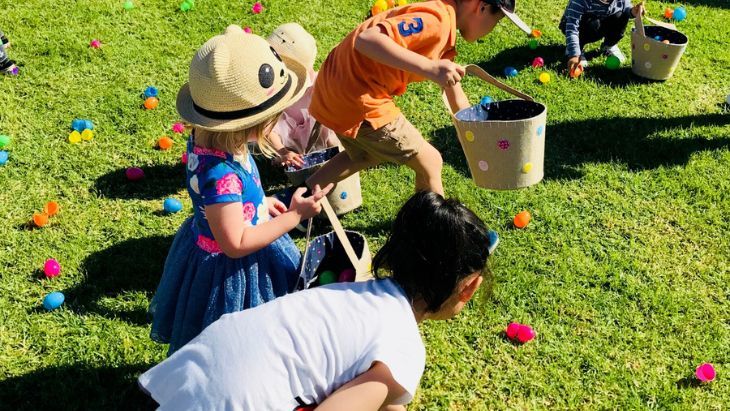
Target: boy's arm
<point>456,97</point>
<point>369,391</point>
<point>375,44</point>
<point>573,13</point>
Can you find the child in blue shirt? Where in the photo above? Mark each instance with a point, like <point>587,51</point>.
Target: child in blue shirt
<point>588,21</point>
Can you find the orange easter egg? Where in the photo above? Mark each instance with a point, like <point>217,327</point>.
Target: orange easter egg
<point>51,208</point>
<point>165,143</point>
<point>151,103</point>
<point>40,219</point>
<point>522,219</point>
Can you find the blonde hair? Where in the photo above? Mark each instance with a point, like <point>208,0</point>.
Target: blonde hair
<point>236,142</point>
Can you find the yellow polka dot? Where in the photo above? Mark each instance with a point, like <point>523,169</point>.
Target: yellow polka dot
<point>469,136</point>
<point>647,46</point>
<point>527,168</point>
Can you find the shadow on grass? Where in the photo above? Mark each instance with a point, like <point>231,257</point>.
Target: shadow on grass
<point>722,4</point>
<point>159,181</point>
<point>76,387</point>
<point>627,140</point>
<point>132,265</point>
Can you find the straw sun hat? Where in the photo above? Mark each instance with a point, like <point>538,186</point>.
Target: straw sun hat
<point>237,81</point>
<point>293,41</point>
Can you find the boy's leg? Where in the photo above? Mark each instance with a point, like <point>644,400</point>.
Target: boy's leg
<point>428,165</point>
<point>591,30</point>
<point>339,168</point>
<point>614,27</point>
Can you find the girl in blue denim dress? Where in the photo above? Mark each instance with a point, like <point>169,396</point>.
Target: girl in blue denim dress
<point>234,252</point>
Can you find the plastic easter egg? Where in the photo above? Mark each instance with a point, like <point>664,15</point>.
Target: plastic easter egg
<point>257,8</point>
<point>3,157</point>
<point>74,137</point>
<point>51,268</point>
<point>680,13</point>
<point>151,91</point>
<point>172,205</point>
<point>4,140</point>
<point>78,124</point>
<point>658,38</point>
<point>327,277</point>
<point>668,13</point>
<point>151,103</point>
<point>87,135</point>
<point>512,330</point>
<point>532,44</point>
<point>522,219</point>
<point>88,125</point>
<point>53,300</point>
<point>538,62</point>
<point>178,128</point>
<point>665,41</point>
<point>705,372</point>
<point>485,100</point>
<point>128,5</point>
<point>165,143</point>
<point>247,30</point>
<point>510,71</point>
<point>40,219</point>
<point>185,6</point>
<point>95,44</point>
<point>525,333</point>
<point>346,276</point>
<point>612,62</point>
<point>536,33</point>
<point>576,72</point>
<point>544,78</point>
<point>399,3</point>
<point>134,173</point>
<point>51,208</point>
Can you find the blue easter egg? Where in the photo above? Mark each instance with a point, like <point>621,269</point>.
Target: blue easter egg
<point>78,124</point>
<point>150,91</point>
<point>680,13</point>
<point>343,195</point>
<point>53,300</point>
<point>510,71</point>
<point>88,124</point>
<point>485,100</point>
<point>3,157</point>
<point>172,205</point>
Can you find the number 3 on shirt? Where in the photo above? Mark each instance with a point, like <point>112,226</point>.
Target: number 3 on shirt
<point>412,28</point>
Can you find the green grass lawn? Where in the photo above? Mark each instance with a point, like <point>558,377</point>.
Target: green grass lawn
<point>624,272</point>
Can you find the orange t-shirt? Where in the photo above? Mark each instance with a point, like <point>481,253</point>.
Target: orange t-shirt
<point>351,87</point>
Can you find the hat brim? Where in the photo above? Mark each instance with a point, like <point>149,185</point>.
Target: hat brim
<point>186,107</point>
<point>517,20</point>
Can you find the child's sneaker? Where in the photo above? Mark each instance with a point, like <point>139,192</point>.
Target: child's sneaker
<point>583,61</point>
<point>5,41</point>
<point>614,51</point>
<point>9,68</point>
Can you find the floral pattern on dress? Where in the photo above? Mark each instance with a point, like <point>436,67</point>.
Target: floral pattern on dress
<point>208,244</point>
<point>229,184</point>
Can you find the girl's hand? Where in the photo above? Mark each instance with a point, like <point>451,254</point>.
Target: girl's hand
<point>276,207</point>
<point>573,63</point>
<point>308,207</point>
<point>290,158</point>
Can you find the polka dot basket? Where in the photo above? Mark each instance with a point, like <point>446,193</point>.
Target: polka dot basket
<point>656,50</point>
<point>503,141</point>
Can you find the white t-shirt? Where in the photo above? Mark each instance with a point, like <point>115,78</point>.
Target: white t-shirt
<point>293,351</point>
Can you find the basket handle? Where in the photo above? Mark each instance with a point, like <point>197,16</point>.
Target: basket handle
<point>341,235</point>
<point>638,21</point>
<point>479,72</point>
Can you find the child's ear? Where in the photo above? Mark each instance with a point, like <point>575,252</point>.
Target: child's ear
<point>471,285</point>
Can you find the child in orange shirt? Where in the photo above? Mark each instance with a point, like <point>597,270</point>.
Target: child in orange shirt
<point>353,94</point>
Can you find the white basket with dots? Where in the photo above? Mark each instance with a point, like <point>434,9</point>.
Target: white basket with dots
<point>503,141</point>
<point>656,50</point>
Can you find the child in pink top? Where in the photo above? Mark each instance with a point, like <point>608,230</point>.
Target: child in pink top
<point>291,134</point>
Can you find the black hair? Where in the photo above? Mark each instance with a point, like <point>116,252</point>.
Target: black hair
<point>493,6</point>
<point>434,244</point>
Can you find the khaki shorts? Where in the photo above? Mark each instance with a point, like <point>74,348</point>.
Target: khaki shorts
<point>396,142</point>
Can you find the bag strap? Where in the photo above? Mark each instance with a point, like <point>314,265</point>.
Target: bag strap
<point>639,26</point>
<point>342,236</point>
<point>306,247</point>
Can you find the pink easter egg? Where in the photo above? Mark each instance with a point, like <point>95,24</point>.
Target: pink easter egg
<point>525,334</point>
<point>705,372</point>
<point>178,128</point>
<point>247,30</point>
<point>346,276</point>
<point>538,62</point>
<point>184,158</point>
<point>51,268</point>
<point>512,330</point>
<point>134,174</point>
<point>257,8</point>
<point>95,44</point>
